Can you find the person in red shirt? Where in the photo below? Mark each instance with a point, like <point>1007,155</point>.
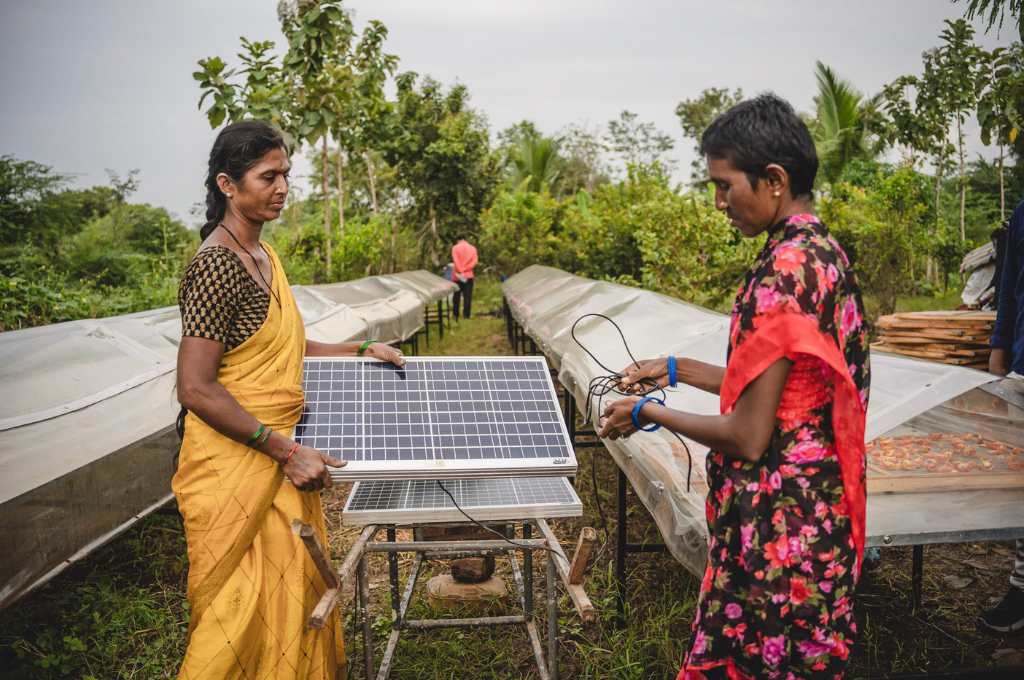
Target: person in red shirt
<point>463,260</point>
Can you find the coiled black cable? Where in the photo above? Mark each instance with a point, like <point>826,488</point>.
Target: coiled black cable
<point>602,385</point>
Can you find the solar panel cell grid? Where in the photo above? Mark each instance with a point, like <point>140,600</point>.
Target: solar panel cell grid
<point>422,500</point>
<point>434,410</point>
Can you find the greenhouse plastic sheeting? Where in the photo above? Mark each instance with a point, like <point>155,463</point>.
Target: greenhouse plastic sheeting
<point>657,325</point>
<point>87,409</point>
<point>86,436</point>
<point>390,316</point>
<point>328,321</point>
<point>430,287</point>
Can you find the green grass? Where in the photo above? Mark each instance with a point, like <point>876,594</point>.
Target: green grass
<point>923,303</point>
<point>122,613</point>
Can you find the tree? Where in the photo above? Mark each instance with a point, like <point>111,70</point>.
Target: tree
<point>695,115</point>
<point>943,95</point>
<point>26,207</point>
<point>442,159</point>
<point>264,94</point>
<point>1001,105</point>
<point>319,40</point>
<point>954,79</point>
<point>842,127</point>
<point>996,11</point>
<point>123,187</point>
<point>534,163</point>
<point>638,143</point>
<point>583,163</point>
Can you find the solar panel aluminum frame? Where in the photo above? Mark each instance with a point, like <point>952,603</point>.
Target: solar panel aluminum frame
<point>479,468</point>
<point>402,512</point>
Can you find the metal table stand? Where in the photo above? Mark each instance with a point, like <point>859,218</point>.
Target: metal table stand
<point>355,563</point>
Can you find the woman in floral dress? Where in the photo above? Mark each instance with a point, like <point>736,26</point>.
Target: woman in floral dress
<point>786,499</point>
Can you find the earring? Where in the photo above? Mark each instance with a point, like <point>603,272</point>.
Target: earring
<point>776,194</point>
<point>232,195</point>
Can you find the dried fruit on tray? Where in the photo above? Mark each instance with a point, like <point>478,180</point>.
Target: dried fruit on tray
<point>944,454</point>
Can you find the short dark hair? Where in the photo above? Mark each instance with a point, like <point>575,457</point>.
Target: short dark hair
<point>238,147</point>
<point>761,131</point>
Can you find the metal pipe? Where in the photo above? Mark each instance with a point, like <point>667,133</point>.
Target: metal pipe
<point>645,548</point>
<point>552,620</point>
<point>364,612</point>
<point>620,552</point>
<point>917,577</point>
<point>393,572</point>
<point>396,630</point>
<point>527,572</point>
<point>425,624</point>
<point>538,651</point>
<point>438,546</point>
<point>457,554</point>
<point>517,578</point>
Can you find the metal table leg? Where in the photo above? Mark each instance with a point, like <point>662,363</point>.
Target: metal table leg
<point>552,620</point>
<point>620,553</point>
<point>393,575</point>
<point>917,577</point>
<point>363,590</point>
<point>528,572</point>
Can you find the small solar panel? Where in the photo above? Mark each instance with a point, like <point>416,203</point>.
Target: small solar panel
<point>423,501</point>
<point>436,418</point>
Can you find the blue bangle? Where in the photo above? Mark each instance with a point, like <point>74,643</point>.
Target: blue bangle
<point>636,414</point>
<point>672,379</point>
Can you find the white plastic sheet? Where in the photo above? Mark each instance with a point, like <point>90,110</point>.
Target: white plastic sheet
<point>430,287</point>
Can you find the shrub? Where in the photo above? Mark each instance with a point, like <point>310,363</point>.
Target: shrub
<point>518,230</point>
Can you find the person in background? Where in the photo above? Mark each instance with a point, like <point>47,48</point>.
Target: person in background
<point>464,260</point>
<point>1007,359</point>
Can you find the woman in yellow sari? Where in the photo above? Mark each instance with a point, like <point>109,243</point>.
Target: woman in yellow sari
<point>241,479</point>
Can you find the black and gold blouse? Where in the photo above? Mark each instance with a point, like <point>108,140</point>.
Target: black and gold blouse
<point>219,300</point>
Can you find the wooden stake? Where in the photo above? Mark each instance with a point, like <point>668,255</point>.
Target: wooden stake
<point>335,580</point>
<point>585,545</point>
<point>580,600</point>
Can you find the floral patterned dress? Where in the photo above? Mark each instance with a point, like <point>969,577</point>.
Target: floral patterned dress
<point>787,531</point>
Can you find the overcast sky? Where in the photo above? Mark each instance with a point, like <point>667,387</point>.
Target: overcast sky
<point>90,85</point>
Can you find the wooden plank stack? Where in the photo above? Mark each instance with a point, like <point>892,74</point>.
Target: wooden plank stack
<point>958,338</point>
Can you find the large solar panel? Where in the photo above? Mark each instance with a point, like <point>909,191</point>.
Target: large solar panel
<point>423,501</point>
<point>436,418</point>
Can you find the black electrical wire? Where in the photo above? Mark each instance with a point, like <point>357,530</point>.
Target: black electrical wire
<point>606,384</point>
<point>500,535</point>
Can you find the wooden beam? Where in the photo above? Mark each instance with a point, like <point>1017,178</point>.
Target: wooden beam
<point>584,546</point>
<point>584,607</point>
<point>316,551</point>
<point>335,580</point>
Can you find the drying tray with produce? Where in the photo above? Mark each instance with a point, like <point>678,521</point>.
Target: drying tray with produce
<point>973,441</point>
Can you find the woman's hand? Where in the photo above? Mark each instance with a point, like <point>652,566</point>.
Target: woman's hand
<point>617,419</point>
<point>379,350</point>
<point>639,378</point>
<point>307,469</point>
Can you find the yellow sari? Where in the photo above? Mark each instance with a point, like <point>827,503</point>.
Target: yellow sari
<point>251,583</point>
